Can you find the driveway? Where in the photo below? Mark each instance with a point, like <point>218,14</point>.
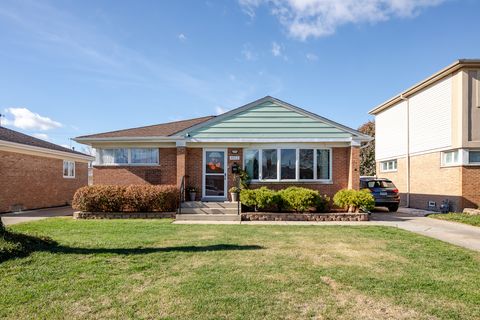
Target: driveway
<point>414,220</point>
<point>33,215</point>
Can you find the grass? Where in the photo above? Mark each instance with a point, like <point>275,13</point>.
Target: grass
<point>473,220</point>
<point>151,269</point>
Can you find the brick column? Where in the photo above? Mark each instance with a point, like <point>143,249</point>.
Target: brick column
<point>354,168</point>
<point>181,162</point>
<point>231,182</point>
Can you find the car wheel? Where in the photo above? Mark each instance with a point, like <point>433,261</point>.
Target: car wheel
<point>393,208</point>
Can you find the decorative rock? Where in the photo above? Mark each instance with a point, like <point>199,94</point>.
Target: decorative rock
<point>471,211</point>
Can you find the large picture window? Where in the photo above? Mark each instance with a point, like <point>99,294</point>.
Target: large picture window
<point>251,163</point>
<point>289,164</point>
<point>125,156</point>
<point>269,164</point>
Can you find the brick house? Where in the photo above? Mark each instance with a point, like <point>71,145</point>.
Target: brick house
<point>277,143</point>
<point>38,174</point>
<point>428,139</point>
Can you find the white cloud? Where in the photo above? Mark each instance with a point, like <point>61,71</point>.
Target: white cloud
<point>248,52</point>
<point>26,119</point>
<point>319,18</point>
<point>311,56</point>
<point>220,110</point>
<point>42,136</point>
<point>276,49</point>
<point>182,37</point>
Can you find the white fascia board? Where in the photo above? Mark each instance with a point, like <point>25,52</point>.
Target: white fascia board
<point>277,140</point>
<point>23,148</point>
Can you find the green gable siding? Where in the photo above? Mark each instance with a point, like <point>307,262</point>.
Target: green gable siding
<point>269,120</point>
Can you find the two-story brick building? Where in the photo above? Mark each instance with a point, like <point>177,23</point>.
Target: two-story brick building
<point>428,139</point>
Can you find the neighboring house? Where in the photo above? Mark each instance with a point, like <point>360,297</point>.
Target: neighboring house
<point>428,139</point>
<point>278,144</point>
<point>37,174</point>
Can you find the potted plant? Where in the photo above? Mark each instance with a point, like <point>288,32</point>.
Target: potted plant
<point>234,193</point>
<point>192,192</point>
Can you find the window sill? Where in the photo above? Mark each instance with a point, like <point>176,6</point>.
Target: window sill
<point>127,165</point>
<point>291,181</point>
<point>388,171</point>
<point>66,177</point>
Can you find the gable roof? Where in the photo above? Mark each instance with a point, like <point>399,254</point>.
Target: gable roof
<point>163,130</point>
<point>281,103</point>
<point>461,63</point>
<point>183,130</point>
<point>13,136</point>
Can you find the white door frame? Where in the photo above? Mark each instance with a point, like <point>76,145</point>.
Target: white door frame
<point>225,174</point>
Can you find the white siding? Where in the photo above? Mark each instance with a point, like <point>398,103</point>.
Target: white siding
<point>391,132</point>
<point>430,117</point>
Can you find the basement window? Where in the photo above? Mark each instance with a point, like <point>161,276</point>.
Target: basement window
<point>474,157</point>
<point>68,169</point>
<point>388,166</point>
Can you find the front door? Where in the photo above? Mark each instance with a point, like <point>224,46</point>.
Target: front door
<point>214,174</point>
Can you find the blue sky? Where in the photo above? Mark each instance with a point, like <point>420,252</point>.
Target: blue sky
<point>71,67</point>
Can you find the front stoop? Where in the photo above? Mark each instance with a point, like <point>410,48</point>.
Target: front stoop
<point>208,211</point>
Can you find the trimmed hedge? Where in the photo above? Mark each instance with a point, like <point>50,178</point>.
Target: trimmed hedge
<point>292,198</point>
<point>354,200</point>
<point>132,198</point>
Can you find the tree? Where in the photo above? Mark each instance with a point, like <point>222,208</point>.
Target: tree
<point>367,151</point>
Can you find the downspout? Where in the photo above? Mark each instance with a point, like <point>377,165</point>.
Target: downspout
<point>408,148</point>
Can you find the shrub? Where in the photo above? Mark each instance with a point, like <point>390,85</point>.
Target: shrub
<point>299,199</point>
<point>354,200</point>
<point>323,203</point>
<point>260,198</point>
<point>133,198</point>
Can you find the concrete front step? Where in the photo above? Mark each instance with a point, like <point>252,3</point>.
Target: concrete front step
<point>213,205</point>
<point>209,210</point>
<point>207,217</point>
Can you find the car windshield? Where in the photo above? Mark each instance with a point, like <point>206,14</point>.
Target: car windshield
<point>380,184</point>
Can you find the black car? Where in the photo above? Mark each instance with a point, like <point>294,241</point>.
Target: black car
<point>383,190</point>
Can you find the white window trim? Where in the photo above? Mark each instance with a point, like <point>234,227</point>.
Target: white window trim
<point>129,158</point>
<point>297,162</point>
<point>389,170</point>
<point>444,164</point>
<point>68,162</point>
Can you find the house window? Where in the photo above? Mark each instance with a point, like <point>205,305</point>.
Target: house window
<point>144,155</point>
<point>288,167</point>
<point>269,164</point>
<point>474,157</point>
<point>323,164</point>
<point>306,162</point>
<point>124,156</point>
<point>68,169</point>
<point>388,166</point>
<point>450,158</point>
<point>288,164</point>
<point>251,163</point>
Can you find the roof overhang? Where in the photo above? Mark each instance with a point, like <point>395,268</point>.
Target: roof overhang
<point>90,141</point>
<point>457,65</point>
<point>39,151</point>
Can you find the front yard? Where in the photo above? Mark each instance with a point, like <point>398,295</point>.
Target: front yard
<point>473,220</point>
<point>153,269</point>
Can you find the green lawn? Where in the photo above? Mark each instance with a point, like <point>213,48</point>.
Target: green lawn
<point>153,269</point>
<point>458,217</point>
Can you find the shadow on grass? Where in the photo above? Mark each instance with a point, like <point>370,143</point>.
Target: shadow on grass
<point>17,245</point>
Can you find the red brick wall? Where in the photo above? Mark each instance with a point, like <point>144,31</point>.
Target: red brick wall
<point>230,176</point>
<point>470,187</point>
<point>340,170</point>
<point>193,170</point>
<point>31,182</point>
<point>164,173</point>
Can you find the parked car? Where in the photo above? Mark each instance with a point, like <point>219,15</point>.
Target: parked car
<point>383,190</point>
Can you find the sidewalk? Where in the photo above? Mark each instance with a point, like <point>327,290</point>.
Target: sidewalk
<point>33,215</point>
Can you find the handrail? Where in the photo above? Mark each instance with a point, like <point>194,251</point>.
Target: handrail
<point>182,195</point>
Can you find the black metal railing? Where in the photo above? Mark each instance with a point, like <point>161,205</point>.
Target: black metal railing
<point>182,195</point>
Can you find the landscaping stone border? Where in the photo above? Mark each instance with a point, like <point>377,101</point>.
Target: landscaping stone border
<point>472,212</point>
<point>290,216</point>
<point>122,215</point>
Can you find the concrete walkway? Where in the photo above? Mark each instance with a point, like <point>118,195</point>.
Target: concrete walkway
<point>33,215</point>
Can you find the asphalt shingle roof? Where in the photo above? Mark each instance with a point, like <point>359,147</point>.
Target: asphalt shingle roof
<point>163,129</point>
<point>21,138</point>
